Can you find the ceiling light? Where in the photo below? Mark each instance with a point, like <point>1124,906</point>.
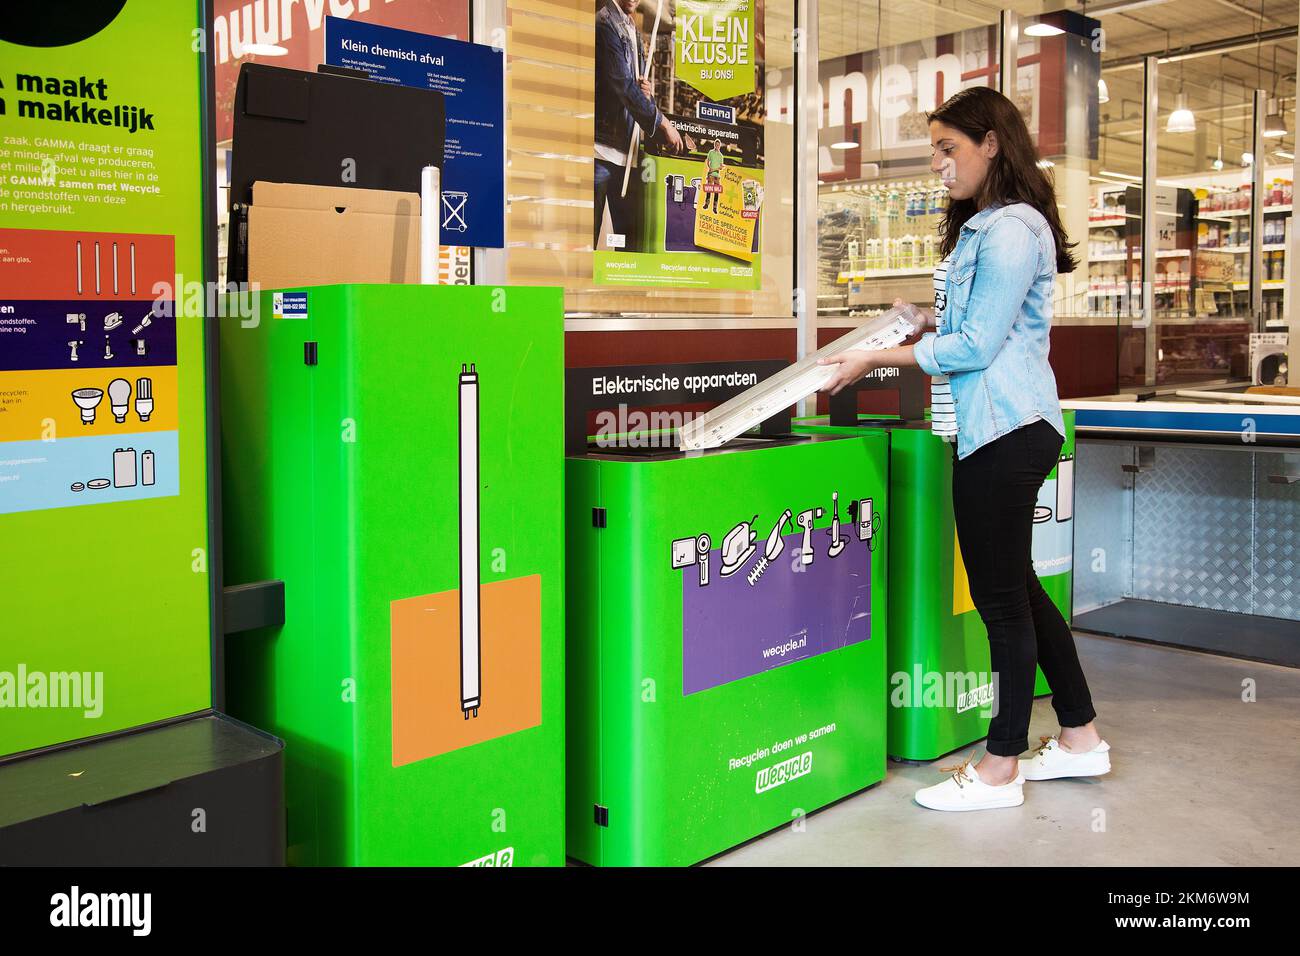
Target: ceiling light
<point>1273,124</point>
<point>1103,92</point>
<point>1247,159</point>
<point>1042,30</point>
<point>1283,154</point>
<point>1181,120</point>
<point>1045,164</point>
<point>844,144</point>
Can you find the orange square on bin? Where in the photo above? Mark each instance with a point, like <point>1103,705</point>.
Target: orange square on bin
<point>427,716</point>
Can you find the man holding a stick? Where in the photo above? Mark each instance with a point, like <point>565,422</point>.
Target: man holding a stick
<point>624,111</point>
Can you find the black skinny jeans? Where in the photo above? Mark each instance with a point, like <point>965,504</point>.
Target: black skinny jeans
<point>994,491</point>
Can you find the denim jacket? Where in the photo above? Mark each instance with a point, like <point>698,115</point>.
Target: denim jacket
<point>996,322</point>
<point>619,100</point>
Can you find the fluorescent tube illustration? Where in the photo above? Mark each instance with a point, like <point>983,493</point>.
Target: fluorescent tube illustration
<point>96,268</point>
<point>115,268</point>
<point>752,406</point>
<point>133,268</point>
<point>471,666</point>
<point>79,287</point>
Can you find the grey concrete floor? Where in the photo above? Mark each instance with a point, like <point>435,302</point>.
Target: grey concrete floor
<point>1199,777</point>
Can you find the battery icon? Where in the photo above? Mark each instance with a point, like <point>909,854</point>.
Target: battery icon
<point>471,667</point>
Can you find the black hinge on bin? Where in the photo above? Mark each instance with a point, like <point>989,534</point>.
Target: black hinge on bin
<point>598,517</point>
<point>602,816</point>
<point>309,353</point>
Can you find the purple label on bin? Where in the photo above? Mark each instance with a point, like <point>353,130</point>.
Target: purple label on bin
<point>745,622</point>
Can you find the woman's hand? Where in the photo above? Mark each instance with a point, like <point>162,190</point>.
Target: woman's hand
<point>927,315</point>
<point>850,366</point>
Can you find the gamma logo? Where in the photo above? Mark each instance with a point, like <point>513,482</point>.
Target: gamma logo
<point>769,778</point>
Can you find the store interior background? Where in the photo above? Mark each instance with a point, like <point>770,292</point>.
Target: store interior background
<point>1212,55</point>
<point>851,208</point>
<point>877,204</point>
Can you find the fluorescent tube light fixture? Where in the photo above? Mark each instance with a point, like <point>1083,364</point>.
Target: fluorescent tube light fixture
<point>755,405</point>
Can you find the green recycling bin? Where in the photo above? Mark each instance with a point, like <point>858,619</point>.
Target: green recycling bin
<point>726,657</point>
<point>394,454</point>
<point>939,682</point>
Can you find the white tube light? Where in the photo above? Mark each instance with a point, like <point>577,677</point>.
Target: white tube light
<point>430,207</point>
<point>755,405</point>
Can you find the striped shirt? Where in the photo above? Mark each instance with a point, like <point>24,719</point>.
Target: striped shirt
<point>943,414</point>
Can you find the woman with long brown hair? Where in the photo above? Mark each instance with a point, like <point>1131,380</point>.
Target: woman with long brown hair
<point>994,394</point>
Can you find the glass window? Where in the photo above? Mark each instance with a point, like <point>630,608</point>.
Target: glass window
<point>881,68</point>
<point>664,241</point>
<point>1199,329</point>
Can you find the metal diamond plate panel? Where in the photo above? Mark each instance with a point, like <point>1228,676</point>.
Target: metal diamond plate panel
<point>1103,525</point>
<point>1192,529</point>
<point>1277,537</point>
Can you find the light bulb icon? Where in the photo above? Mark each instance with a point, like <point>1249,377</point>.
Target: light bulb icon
<point>144,398</point>
<point>119,398</point>
<point>88,400</point>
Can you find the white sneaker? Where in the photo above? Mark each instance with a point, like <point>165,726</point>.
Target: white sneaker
<point>1051,761</point>
<point>964,790</point>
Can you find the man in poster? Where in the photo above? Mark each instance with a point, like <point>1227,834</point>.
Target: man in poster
<point>623,101</point>
<point>713,163</point>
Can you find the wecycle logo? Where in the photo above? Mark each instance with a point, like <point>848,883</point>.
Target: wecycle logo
<point>54,690</point>
<point>956,690</point>
<point>504,857</point>
<point>769,778</point>
<point>981,696</point>
<point>77,909</point>
<point>781,650</point>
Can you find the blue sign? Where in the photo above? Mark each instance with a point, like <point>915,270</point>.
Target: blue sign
<point>289,305</point>
<point>471,77</point>
<point>715,111</point>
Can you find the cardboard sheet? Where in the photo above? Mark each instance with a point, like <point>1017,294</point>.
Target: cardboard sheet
<point>319,235</point>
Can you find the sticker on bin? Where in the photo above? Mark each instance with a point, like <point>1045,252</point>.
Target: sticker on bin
<point>289,305</point>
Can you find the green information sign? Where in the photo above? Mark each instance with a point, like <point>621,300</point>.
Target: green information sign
<point>715,46</point>
<point>104,605</point>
